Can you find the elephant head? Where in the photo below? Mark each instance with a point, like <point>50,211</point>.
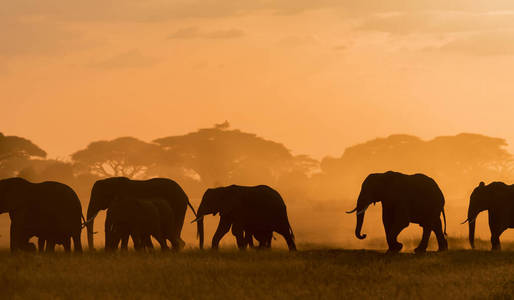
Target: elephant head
<point>371,192</point>
<point>102,194</point>
<point>8,200</point>
<point>213,202</point>
<point>478,201</point>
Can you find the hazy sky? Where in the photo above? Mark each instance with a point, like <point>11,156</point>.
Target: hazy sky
<point>316,75</point>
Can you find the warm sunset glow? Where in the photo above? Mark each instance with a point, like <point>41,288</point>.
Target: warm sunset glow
<point>318,76</point>
<point>256,149</point>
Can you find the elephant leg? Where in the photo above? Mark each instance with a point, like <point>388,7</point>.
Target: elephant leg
<point>239,233</point>
<point>177,243</point>
<point>137,241</point>
<point>442,243</point>
<point>124,242</point>
<point>393,225</point>
<point>495,239</point>
<point>50,246</point>
<point>67,244</point>
<point>162,243</point>
<point>249,239</point>
<point>241,241</point>
<point>286,233</point>
<point>109,234</point>
<point>13,233</point>
<point>223,228</point>
<point>423,244</point>
<point>77,243</point>
<point>268,239</point>
<point>147,242</point>
<point>41,245</point>
<point>18,239</point>
<point>392,235</point>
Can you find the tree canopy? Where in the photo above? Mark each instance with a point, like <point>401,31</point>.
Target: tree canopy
<point>125,156</point>
<point>222,156</point>
<point>15,154</point>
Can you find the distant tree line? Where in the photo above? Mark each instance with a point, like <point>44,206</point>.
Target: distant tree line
<point>220,156</point>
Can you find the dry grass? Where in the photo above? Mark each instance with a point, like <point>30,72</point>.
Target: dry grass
<point>312,272</point>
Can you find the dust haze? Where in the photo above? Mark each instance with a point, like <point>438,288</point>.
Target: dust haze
<point>317,192</point>
<point>343,89</point>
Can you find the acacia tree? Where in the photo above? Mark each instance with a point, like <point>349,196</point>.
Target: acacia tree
<point>221,156</point>
<point>125,156</point>
<point>15,154</point>
<point>457,162</point>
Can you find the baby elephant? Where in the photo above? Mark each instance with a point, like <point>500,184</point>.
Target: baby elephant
<point>245,238</point>
<point>139,218</point>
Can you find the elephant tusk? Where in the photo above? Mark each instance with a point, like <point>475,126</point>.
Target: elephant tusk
<point>469,220</point>
<point>351,211</point>
<point>197,219</point>
<point>89,221</point>
<point>359,212</point>
<point>362,210</point>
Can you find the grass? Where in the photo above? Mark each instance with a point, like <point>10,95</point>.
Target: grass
<point>311,273</point>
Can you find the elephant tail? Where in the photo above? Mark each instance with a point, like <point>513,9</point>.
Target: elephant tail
<point>291,230</point>
<point>444,218</point>
<point>191,206</point>
<point>84,223</point>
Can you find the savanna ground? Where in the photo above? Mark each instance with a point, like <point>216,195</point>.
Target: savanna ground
<point>330,263</point>
<point>314,272</point>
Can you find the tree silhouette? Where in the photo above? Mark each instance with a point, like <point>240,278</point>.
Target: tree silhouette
<point>15,154</point>
<point>456,162</point>
<point>125,156</point>
<point>220,156</point>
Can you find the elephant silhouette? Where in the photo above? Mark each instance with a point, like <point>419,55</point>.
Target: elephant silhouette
<point>256,210</point>
<point>105,190</point>
<point>405,199</point>
<point>498,199</point>
<point>49,210</point>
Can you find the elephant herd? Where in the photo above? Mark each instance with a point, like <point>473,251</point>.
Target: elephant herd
<point>142,209</point>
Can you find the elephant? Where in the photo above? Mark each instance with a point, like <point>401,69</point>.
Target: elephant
<point>405,199</point>
<point>498,199</point>
<point>245,238</point>
<point>49,210</point>
<point>105,190</point>
<point>254,210</point>
<point>140,219</point>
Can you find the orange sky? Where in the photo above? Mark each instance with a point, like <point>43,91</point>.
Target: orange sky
<point>315,75</point>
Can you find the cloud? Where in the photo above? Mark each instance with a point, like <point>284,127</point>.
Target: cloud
<point>35,37</point>
<point>158,10</point>
<point>494,43</point>
<point>340,48</point>
<point>437,22</point>
<point>153,10</point>
<point>194,32</point>
<point>129,59</point>
<point>297,41</point>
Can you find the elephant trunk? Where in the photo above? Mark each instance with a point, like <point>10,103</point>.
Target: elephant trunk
<point>91,214</point>
<point>472,216</point>
<point>200,231</point>
<point>472,234</point>
<point>362,204</point>
<point>358,227</point>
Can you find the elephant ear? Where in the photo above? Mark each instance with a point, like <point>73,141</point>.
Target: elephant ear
<point>229,203</point>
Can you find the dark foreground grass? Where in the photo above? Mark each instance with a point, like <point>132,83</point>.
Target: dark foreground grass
<point>278,274</point>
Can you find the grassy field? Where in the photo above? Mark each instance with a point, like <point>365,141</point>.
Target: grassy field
<point>311,273</point>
